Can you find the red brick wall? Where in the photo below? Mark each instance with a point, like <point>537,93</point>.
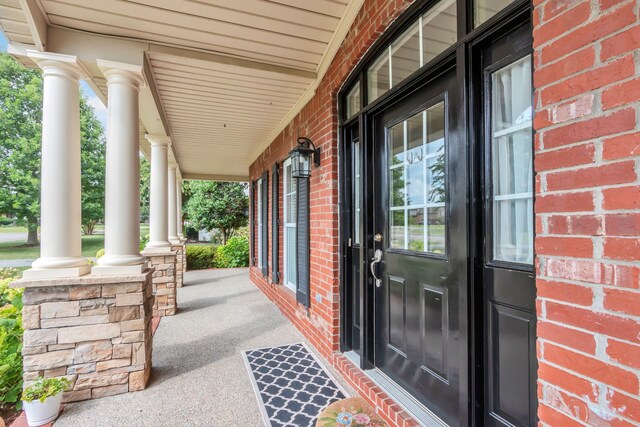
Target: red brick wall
<point>588,211</point>
<point>318,121</point>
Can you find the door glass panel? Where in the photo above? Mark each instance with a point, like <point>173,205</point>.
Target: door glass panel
<point>436,231</point>
<point>512,163</point>
<point>355,152</point>
<point>415,166</point>
<point>396,228</point>
<point>417,199</point>
<point>416,230</point>
<point>353,101</point>
<point>485,9</point>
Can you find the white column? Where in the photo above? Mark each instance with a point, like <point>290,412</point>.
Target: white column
<point>60,206</point>
<point>158,224</point>
<point>122,195</point>
<point>172,207</point>
<point>179,196</point>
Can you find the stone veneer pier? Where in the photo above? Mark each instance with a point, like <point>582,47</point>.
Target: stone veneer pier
<point>94,330</point>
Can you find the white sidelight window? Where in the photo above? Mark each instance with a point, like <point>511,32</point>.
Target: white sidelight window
<point>290,277</point>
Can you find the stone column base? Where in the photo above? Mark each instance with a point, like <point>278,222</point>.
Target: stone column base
<point>163,260</point>
<point>180,249</point>
<point>184,257</point>
<point>93,330</point>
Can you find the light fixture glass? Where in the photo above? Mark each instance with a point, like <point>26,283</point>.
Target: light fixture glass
<point>301,157</point>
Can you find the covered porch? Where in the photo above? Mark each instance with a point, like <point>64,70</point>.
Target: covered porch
<point>201,90</point>
<point>199,376</point>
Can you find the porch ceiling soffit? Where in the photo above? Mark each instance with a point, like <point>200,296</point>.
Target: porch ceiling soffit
<point>91,48</point>
<point>27,28</point>
<point>283,68</point>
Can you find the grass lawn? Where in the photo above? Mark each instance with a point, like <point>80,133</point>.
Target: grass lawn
<point>90,245</point>
<point>18,250</point>
<point>13,229</point>
<point>203,244</point>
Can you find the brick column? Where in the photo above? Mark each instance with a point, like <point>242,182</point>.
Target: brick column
<point>163,260</point>
<point>93,330</point>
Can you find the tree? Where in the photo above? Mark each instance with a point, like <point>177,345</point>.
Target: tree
<point>20,126</point>
<point>145,188</point>
<point>93,167</point>
<point>219,205</point>
<point>20,141</point>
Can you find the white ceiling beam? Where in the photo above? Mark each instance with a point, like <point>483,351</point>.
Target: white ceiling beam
<point>209,177</point>
<point>37,22</point>
<point>91,47</point>
<point>229,60</point>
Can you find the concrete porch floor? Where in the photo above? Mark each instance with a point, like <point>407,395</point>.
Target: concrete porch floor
<point>199,377</point>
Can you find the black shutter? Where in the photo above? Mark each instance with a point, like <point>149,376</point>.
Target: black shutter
<point>264,193</point>
<point>252,219</point>
<point>275,225</point>
<point>302,241</point>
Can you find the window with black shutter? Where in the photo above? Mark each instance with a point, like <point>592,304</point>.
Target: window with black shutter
<point>303,236</point>
<point>275,225</point>
<point>252,222</point>
<point>264,229</point>
<point>289,234</point>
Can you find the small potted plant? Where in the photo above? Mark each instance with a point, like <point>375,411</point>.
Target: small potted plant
<point>42,400</point>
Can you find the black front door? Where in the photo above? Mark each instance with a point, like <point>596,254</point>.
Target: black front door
<point>421,243</point>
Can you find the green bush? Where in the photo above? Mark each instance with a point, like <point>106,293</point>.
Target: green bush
<point>242,232</point>
<point>191,233</point>
<point>234,254</point>
<point>200,257</point>
<point>143,241</point>
<point>10,340</point>
<point>4,221</point>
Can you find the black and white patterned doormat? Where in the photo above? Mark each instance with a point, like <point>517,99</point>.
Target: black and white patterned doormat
<point>291,384</point>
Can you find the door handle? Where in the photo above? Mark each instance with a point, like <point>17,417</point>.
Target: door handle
<point>377,257</point>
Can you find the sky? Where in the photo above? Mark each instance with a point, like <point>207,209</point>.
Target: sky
<point>94,101</point>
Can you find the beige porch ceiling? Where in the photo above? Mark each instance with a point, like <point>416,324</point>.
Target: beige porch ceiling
<point>225,76</point>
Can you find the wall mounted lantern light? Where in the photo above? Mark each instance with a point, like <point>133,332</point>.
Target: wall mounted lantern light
<point>301,158</point>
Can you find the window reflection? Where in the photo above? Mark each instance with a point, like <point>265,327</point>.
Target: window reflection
<point>353,100</point>
<point>485,9</point>
<point>417,192</point>
<point>431,35</point>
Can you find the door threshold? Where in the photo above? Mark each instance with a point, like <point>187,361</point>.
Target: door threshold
<point>407,402</point>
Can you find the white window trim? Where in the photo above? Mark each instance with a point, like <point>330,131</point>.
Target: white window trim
<point>287,182</point>
<point>259,221</point>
